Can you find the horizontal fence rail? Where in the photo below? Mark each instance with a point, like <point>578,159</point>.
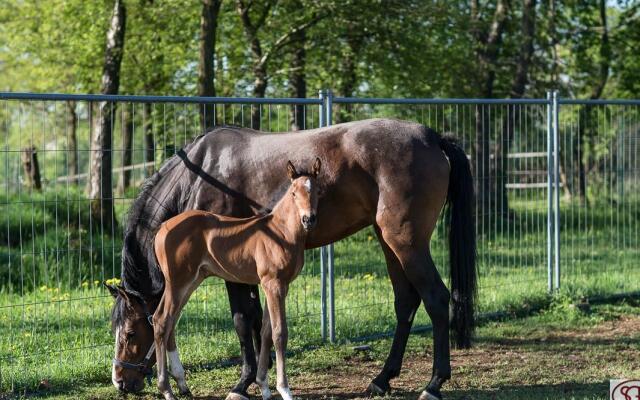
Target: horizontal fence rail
<point>557,208</point>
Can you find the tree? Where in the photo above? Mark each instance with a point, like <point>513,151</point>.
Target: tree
<point>100,186</point>
<point>206,64</point>
<point>254,17</point>
<point>488,41</point>
<point>72,142</point>
<point>126,126</point>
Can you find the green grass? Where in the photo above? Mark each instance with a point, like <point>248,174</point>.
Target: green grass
<point>54,317</point>
<point>562,352</point>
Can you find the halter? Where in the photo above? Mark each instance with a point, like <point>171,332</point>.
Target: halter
<point>144,366</point>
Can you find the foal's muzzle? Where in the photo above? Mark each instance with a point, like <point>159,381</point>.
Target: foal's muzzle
<point>309,221</point>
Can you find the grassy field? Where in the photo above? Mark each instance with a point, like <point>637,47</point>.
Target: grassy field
<point>54,316</point>
<point>563,352</point>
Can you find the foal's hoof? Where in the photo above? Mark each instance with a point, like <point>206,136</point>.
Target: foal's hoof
<point>375,390</point>
<point>430,394</point>
<point>236,396</point>
<point>186,392</point>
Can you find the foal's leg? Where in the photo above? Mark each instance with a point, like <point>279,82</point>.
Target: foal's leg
<point>162,326</point>
<point>264,360</point>
<point>276,291</point>
<point>406,304</point>
<point>176,370</point>
<point>245,304</point>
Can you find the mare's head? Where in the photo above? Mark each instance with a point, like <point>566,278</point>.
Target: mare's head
<point>131,324</point>
<point>304,191</point>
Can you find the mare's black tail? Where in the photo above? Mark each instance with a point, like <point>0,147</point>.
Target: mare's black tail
<point>462,243</point>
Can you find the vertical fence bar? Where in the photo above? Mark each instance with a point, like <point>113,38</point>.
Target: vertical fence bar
<point>330,264</point>
<point>549,193</point>
<point>556,183</point>
<point>323,250</point>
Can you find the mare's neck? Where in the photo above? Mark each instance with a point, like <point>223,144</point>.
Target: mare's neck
<point>286,218</point>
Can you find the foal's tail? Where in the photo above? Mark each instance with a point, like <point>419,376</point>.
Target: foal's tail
<point>462,243</point>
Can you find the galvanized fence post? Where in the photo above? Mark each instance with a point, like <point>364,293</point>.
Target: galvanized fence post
<point>323,249</point>
<point>556,182</point>
<point>550,185</point>
<point>330,264</point>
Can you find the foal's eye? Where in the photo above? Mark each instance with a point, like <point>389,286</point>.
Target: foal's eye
<point>293,194</point>
<point>131,334</point>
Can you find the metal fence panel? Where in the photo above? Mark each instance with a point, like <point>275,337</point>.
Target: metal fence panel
<point>507,147</point>
<point>599,205</point>
<point>54,314</point>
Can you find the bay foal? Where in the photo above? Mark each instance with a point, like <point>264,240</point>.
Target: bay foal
<point>266,250</point>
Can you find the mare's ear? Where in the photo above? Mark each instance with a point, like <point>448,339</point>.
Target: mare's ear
<point>315,170</point>
<point>112,289</point>
<point>291,171</point>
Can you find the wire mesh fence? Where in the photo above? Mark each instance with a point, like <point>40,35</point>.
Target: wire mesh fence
<point>511,210</point>
<point>599,207</point>
<point>55,251</point>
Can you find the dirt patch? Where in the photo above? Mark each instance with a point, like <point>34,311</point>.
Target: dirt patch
<point>568,363</point>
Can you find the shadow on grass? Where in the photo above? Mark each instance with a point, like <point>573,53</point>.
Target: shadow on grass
<point>568,390</point>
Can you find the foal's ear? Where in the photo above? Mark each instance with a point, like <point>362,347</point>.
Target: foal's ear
<point>291,171</point>
<point>315,170</point>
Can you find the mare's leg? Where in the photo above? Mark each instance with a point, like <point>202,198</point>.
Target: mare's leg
<point>407,301</point>
<point>245,310</point>
<point>276,291</point>
<point>407,232</point>
<point>264,360</point>
<point>423,275</point>
<point>176,370</point>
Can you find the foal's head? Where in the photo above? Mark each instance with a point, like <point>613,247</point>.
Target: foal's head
<point>134,337</point>
<point>304,192</point>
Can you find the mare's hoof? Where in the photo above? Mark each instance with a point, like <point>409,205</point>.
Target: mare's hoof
<point>430,395</point>
<point>186,392</point>
<point>236,396</point>
<point>375,390</point>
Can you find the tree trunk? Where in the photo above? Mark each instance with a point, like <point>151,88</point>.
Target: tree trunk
<point>259,89</point>
<point>101,190</point>
<point>124,182</point>
<point>349,73</point>
<point>72,143</point>
<point>585,115</point>
<point>149,142</point>
<point>31,167</point>
<point>261,57</point>
<point>298,81</point>
<point>518,88</point>
<point>487,52</point>
<point>206,65</point>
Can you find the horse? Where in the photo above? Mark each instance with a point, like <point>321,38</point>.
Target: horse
<point>265,249</point>
<point>394,175</point>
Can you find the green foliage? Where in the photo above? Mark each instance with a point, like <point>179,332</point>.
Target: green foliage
<point>48,238</point>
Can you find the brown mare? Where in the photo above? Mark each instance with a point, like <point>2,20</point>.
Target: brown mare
<point>391,174</point>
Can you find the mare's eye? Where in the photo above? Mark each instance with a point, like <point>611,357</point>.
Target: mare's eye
<point>293,194</point>
<point>131,334</point>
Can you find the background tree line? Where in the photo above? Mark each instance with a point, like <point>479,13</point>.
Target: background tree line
<point>386,48</point>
